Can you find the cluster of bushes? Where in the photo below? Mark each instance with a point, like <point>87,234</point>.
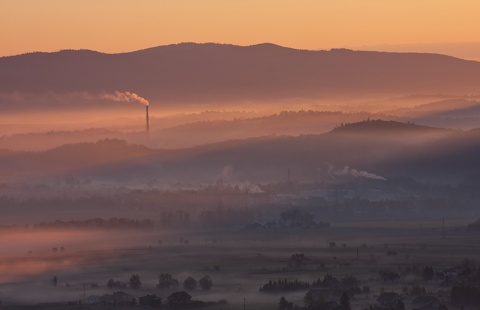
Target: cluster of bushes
<point>349,283</point>
<point>167,281</point>
<point>297,261</point>
<point>328,281</point>
<point>284,286</point>
<point>475,226</point>
<point>112,284</point>
<point>133,283</point>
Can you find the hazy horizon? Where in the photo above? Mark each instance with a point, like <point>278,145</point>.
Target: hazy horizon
<point>53,25</point>
<point>229,155</point>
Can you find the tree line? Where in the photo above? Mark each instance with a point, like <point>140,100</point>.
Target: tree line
<point>165,282</point>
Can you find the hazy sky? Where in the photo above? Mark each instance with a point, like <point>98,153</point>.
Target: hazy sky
<point>126,25</point>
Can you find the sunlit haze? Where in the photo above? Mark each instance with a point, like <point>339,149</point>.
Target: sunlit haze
<point>240,154</point>
<point>119,26</point>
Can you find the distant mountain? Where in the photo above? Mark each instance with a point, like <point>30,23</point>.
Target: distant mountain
<point>460,114</point>
<point>290,123</point>
<point>437,106</point>
<point>453,112</point>
<point>446,105</point>
<point>193,73</point>
<point>190,133</point>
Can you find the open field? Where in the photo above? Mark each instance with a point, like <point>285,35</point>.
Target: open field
<point>239,262</point>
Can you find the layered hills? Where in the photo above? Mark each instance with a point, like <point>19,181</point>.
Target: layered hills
<point>384,148</point>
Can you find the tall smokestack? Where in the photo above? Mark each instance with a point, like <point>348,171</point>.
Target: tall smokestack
<point>147,121</point>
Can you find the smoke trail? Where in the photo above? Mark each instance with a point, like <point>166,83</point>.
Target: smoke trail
<point>125,97</point>
<point>226,173</point>
<point>332,170</point>
<point>250,188</point>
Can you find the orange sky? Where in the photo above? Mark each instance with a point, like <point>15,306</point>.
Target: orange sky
<point>126,25</point>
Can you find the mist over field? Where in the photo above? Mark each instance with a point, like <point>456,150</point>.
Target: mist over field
<point>217,176</point>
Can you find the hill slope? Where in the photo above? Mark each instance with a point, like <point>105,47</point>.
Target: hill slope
<point>409,150</point>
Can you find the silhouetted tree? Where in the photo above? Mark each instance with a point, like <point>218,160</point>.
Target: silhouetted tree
<point>112,284</point>
<point>135,282</point>
<point>167,281</point>
<point>54,281</point>
<point>206,283</point>
<point>428,273</point>
<point>297,261</point>
<point>330,281</point>
<point>190,283</point>
<point>345,301</point>
<point>284,286</point>
<point>309,300</point>
<point>284,304</point>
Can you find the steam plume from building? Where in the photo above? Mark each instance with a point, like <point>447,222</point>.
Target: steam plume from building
<point>125,97</point>
<point>129,97</point>
<point>333,171</point>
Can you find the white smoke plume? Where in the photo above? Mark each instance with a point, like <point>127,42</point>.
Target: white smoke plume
<point>124,97</point>
<point>250,187</point>
<point>332,170</point>
<point>226,173</point>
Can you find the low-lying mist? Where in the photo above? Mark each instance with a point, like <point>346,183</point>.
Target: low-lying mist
<point>27,253</point>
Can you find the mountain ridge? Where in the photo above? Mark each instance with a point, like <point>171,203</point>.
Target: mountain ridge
<point>384,126</point>
<point>176,46</point>
<point>198,73</point>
